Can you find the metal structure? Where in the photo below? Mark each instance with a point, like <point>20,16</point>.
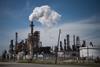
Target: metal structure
<point>57,46</point>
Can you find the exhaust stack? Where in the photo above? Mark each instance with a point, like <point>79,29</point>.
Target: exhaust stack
<point>32,25</point>
<point>16,38</point>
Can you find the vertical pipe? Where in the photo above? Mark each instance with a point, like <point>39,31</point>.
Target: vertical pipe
<point>73,39</point>
<point>64,47</point>
<point>16,42</point>
<point>16,38</point>
<point>68,42</point>
<point>31,25</point>
<point>31,40</point>
<point>57,46</point>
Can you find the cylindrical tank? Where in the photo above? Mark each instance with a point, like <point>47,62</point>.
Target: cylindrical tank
<point>91,52</point>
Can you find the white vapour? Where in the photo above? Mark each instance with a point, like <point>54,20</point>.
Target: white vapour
<point>45,15</point>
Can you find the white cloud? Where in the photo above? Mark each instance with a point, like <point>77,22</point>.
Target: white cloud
<point>45,15</point>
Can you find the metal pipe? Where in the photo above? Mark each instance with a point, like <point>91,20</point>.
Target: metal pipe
<point>57,46</point>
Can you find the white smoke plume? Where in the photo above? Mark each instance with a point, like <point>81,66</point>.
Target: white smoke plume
<point>45,15</point>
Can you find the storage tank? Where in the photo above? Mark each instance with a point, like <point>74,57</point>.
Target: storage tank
<point>91,52</point>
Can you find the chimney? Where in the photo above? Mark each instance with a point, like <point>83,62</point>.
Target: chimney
<point>11,44</point>
<point>16,38</point>
<point>73,39</point>
<point>32,25</point>
<point>65,44</point>
<point>77,41</point>
<point>68,42</point>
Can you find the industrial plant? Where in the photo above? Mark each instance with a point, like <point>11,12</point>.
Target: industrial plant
<point>32,48</point>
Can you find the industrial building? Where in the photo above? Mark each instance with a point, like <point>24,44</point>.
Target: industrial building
<point>28,48</point>
<point>32,48</point>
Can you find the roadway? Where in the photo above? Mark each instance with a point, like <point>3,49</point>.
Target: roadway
<point>37,65</point>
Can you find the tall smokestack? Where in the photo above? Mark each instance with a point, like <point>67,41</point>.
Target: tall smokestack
<point>16,38</point>
<point>64,44</point>
<point>68,42</point>
<point>16,42</point>
<point>73,39</point>
<point>31,25</point>
<point>77,41</point>
<point>78,46</point>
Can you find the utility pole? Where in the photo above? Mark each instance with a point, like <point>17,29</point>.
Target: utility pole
<point>57,46</point>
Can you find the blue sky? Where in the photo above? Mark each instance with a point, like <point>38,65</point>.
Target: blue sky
<point>14,15</point>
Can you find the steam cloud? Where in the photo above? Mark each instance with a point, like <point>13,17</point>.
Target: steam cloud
<point>45,15</point>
